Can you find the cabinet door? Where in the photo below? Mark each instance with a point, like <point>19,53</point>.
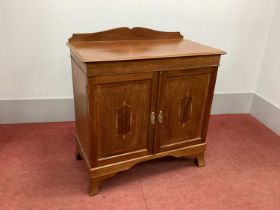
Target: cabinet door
<point>185,98</point>
<point>121,108</point>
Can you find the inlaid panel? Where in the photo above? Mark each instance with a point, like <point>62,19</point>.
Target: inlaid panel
<point>124,120</point>
<point>123,113</point>
<point>183,103</point>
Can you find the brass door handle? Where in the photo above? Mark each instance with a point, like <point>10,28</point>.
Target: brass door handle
<point>160,117</point>
<point>153,118</point>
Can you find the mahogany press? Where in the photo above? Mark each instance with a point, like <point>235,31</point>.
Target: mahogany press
<point>139,94</point>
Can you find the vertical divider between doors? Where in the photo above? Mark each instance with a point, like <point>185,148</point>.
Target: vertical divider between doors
<point>160,106</point>
<point>154,95</point>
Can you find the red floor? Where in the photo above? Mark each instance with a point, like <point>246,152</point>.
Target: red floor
<point>38,171</point>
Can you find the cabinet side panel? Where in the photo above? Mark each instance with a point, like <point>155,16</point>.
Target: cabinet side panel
<point>81,106</point>
<point>209,103</point>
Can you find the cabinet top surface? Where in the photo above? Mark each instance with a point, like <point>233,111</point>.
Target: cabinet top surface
<point>133,44</point>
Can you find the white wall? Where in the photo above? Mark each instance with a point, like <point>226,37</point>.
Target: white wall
<point>35,60</point>
<point>268,85</point>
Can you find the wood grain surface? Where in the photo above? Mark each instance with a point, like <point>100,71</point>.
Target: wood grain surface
<point>140,94</point>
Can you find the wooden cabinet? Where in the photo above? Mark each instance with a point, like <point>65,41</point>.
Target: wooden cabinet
<point>139,94</point>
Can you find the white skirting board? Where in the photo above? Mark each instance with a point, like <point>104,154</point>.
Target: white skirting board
<point>232,103</point>
<point>59,110</point>
<point>267,113</point>
<point>36,110</point>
